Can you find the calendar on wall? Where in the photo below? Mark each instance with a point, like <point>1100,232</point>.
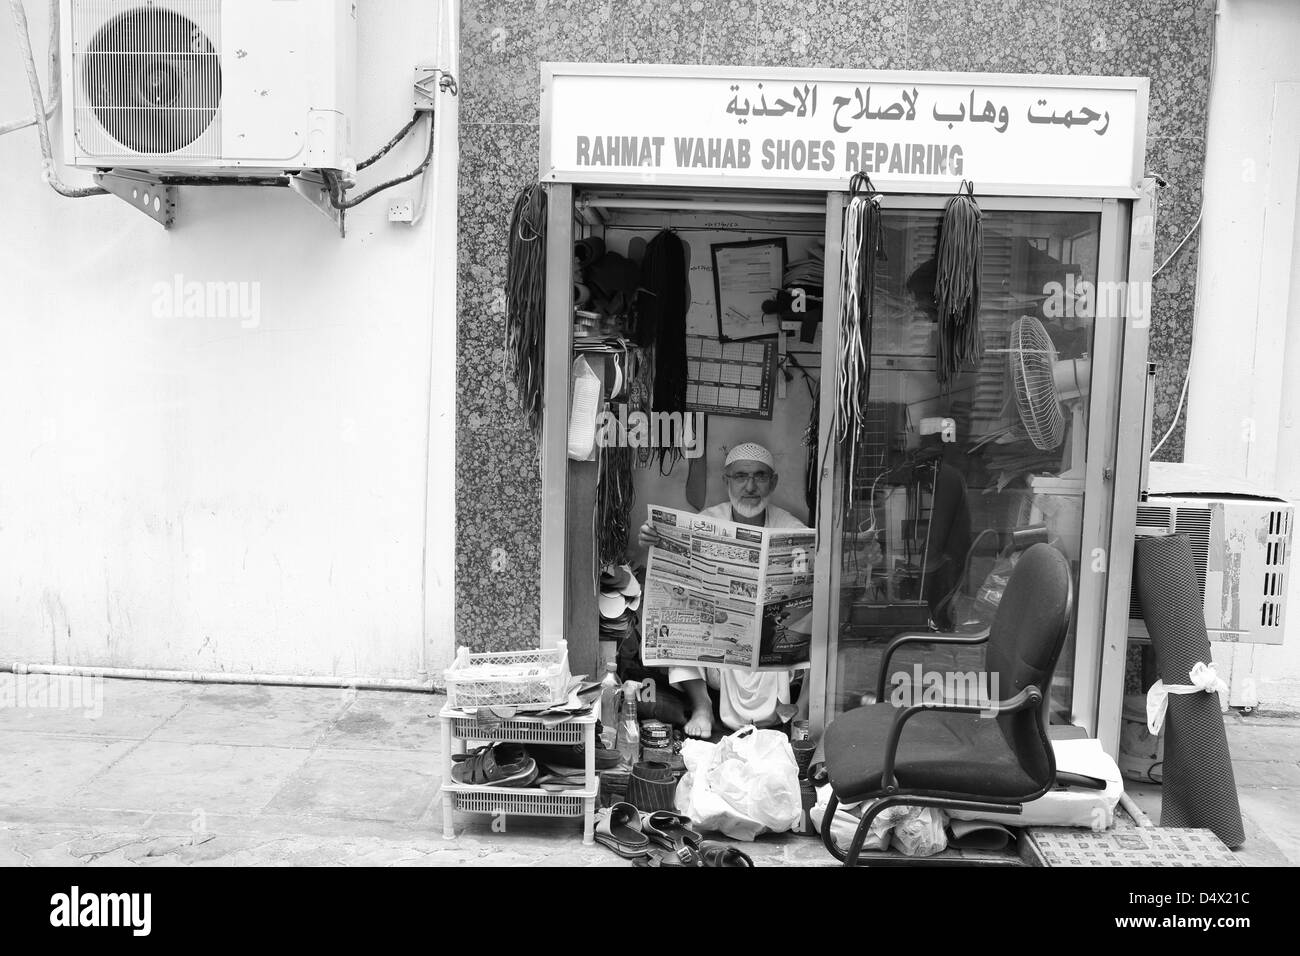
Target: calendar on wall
<point>730,378</point>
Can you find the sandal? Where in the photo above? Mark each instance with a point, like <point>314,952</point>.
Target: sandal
<point>686,855</point>
<point>496,765</point>
<point>670,830</point>
<point>619,828</point>
<point>723,855</point>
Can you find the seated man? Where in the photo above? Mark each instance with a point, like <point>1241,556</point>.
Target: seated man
<point>744,697</point>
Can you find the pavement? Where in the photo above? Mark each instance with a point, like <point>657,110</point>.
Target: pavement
<point>106,772</point>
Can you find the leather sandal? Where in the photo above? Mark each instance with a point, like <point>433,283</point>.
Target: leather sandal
<point>670,830</point>
<point>619,827</point>
<point>496,765</point>
<point>686,855</point>
<point>723,855</point>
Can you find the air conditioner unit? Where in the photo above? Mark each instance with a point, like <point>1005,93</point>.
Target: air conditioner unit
<point>209,87</point>
<point>1241,547</point>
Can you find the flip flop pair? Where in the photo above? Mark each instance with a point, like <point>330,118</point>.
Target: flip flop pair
<point>632,834</point>
<point>643,838</point>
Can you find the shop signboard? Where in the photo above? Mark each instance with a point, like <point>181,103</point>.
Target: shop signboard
<point>914,132</point>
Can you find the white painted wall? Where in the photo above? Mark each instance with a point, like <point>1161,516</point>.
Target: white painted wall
<point>190,493</point>
<point>1244,395</point>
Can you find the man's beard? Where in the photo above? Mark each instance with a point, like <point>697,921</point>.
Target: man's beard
<point>746,510</point>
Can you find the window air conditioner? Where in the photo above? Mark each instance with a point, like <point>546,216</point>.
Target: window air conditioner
<point>209,87</point>
<point>1241,547</point>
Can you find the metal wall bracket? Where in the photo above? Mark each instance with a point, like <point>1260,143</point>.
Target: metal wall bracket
<point>429,82</point>
<point>144,192</point>
<point>425,88</point>
<point>312,187</point>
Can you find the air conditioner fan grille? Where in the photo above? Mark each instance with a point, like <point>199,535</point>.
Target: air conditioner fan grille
<point>150,78</point>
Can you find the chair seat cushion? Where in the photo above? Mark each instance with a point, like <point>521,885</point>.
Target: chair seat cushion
<point>945,753</point>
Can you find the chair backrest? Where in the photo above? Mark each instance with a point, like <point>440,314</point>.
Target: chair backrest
<point>1024,644</point>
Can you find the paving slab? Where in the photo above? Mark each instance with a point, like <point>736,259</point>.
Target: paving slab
<point>89,706</point>
<point>49,768</point>
<point>256,716</point>
<point>384,720</point>
<point>200,779</point>
<point>1271,742</point>
<point>1273,774</point>
<point>360,784</point>
<point>1272,828</point>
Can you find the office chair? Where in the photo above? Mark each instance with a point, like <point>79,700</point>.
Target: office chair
<point>986,756</point>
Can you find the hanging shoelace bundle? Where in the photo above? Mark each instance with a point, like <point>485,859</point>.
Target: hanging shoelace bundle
<point>863,241</point>
<point>662,305</point>
<point>957,284</point>
<point>526,299</point>
<point>614,498</point>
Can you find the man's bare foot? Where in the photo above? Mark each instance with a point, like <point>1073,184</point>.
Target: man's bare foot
<point>700,725</point>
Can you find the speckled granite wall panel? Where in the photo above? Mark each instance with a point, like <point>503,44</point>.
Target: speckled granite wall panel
<point>845,34</point>
<point>994,36</point>
<point>498,513</point>
<point>502,44</point>
<point>1179,161</point>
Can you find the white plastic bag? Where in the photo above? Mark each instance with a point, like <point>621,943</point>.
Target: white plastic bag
<point>913,831</point>
<point>743,786</point>
<point>920,832</point>
<point>584,407</point>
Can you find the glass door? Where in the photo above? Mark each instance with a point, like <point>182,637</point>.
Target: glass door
<point>948,485</point>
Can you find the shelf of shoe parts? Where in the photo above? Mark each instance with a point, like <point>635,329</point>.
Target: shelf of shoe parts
<point>458,728</point>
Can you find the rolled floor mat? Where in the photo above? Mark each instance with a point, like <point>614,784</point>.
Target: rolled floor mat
<point>1199,789</point>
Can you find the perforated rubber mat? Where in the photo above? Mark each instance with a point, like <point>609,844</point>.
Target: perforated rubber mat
<point>1199,789</point>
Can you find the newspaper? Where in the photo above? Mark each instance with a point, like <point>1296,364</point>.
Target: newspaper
<point>721,594</point>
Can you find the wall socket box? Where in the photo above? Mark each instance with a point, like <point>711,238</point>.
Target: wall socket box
<point>401,210</point>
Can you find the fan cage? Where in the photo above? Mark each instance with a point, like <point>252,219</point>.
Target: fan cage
<point>189,124</point>
<point>1032,356</point>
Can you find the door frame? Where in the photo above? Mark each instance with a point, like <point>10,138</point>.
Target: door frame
<point>1114,354</point>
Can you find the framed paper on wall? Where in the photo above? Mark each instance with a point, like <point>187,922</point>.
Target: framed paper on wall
<point>745,275</point>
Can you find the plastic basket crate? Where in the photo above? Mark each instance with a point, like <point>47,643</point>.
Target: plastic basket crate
<point>538,676</point>
<point>518,731</point>
<point>524,802</point>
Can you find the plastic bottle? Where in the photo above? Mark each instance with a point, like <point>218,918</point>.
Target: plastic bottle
<point>629,729</point>
<point>609,694</point>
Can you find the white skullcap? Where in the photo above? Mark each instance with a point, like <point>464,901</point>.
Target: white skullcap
<point>750,451</point>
